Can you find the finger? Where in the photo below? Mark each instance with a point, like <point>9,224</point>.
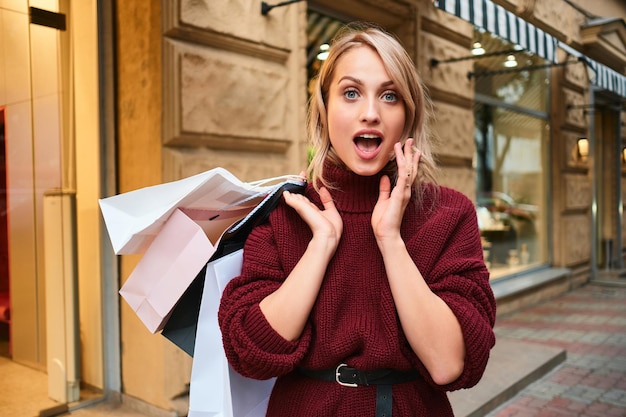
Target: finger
<point>400,160</point>
<point>288,197</point>
<point>327,199</point>
<point>404,154</point>
<point>408,148</point>
<point>384,189</point>
<point>413,171</point>
<point>415,158</point>
<point>409,154</point>
<point>295,200</point>
<point>404,160</point>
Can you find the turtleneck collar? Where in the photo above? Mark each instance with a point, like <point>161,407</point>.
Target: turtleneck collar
<point>352,192</point>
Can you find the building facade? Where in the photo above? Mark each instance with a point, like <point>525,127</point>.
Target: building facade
<point>100,98</point>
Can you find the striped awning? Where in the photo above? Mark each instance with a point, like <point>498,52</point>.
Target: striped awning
<point>501,22</point>
<point>607,78</point>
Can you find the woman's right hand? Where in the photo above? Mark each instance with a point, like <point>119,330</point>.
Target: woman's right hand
<point>325,224</point>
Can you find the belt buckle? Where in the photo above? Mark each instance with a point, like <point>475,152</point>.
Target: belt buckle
<point>338,376</point>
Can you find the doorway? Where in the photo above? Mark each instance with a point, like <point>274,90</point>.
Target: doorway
<point>608,221</point>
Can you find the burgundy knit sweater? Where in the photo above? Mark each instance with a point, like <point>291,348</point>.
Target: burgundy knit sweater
<point>354,320</point>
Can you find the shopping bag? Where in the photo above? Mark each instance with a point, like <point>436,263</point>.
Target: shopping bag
<point>133,219</point>
<point>183,245</point>
<point>216,389</point>
<point>168,267</point>
<point>180,327</point>
<point>186,221</point>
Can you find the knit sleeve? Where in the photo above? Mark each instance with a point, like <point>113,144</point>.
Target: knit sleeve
<point>253,348</point>
<point>455,270</point>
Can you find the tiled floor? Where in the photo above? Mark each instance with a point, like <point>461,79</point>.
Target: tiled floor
<point>590,324</point>
<point>24,394</point>
<point>23,390</point>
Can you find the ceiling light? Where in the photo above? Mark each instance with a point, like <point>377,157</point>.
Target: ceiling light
<point>477,49</point>
<point>323,52</point>
<point>510,61</point>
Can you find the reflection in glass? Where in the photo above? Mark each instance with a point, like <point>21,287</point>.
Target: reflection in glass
<point>511,172</point>
<point>511,175</point>
<point>502,75</point>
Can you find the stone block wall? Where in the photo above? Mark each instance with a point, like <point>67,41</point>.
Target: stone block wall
<point>572,181</point>
<point>443,37</point>
<point>231,96</point>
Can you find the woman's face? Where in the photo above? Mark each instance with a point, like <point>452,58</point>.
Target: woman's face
<point>365,113</point>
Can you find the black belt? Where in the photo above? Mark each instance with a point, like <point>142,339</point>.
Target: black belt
<point>350,377</point>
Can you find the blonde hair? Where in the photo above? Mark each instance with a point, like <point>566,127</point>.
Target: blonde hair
<point>402,71</point>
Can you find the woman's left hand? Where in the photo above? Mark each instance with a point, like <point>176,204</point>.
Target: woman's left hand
<point>389,210</point>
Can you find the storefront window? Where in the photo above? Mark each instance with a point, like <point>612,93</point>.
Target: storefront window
<point>320,31</point>
<point>511,153</point>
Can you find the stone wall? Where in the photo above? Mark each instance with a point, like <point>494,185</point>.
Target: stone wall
<point>231,89</point>
<point>444,36</point>
<point>572,181</point>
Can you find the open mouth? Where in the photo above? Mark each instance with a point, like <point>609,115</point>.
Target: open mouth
<point>367,143</point>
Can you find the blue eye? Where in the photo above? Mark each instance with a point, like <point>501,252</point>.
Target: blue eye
<point>350,94</point>
<point>390,96</point>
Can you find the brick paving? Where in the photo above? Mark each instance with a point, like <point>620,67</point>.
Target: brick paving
<point>590,324</point>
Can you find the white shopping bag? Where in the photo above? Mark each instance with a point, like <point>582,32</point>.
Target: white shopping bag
<point>134,218</point>
<point>216,390</point>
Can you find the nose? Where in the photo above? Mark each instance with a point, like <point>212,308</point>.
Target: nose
<point>370,112</point>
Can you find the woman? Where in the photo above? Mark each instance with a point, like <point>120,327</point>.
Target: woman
<point>368,295</point>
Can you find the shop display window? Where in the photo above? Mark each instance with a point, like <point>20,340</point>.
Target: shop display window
<point>511,135</point>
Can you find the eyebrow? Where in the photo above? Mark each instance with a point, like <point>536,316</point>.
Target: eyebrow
<point>358,81</point>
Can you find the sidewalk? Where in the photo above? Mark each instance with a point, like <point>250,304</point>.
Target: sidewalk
<point>567,356</point>
<point>563,358</point>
